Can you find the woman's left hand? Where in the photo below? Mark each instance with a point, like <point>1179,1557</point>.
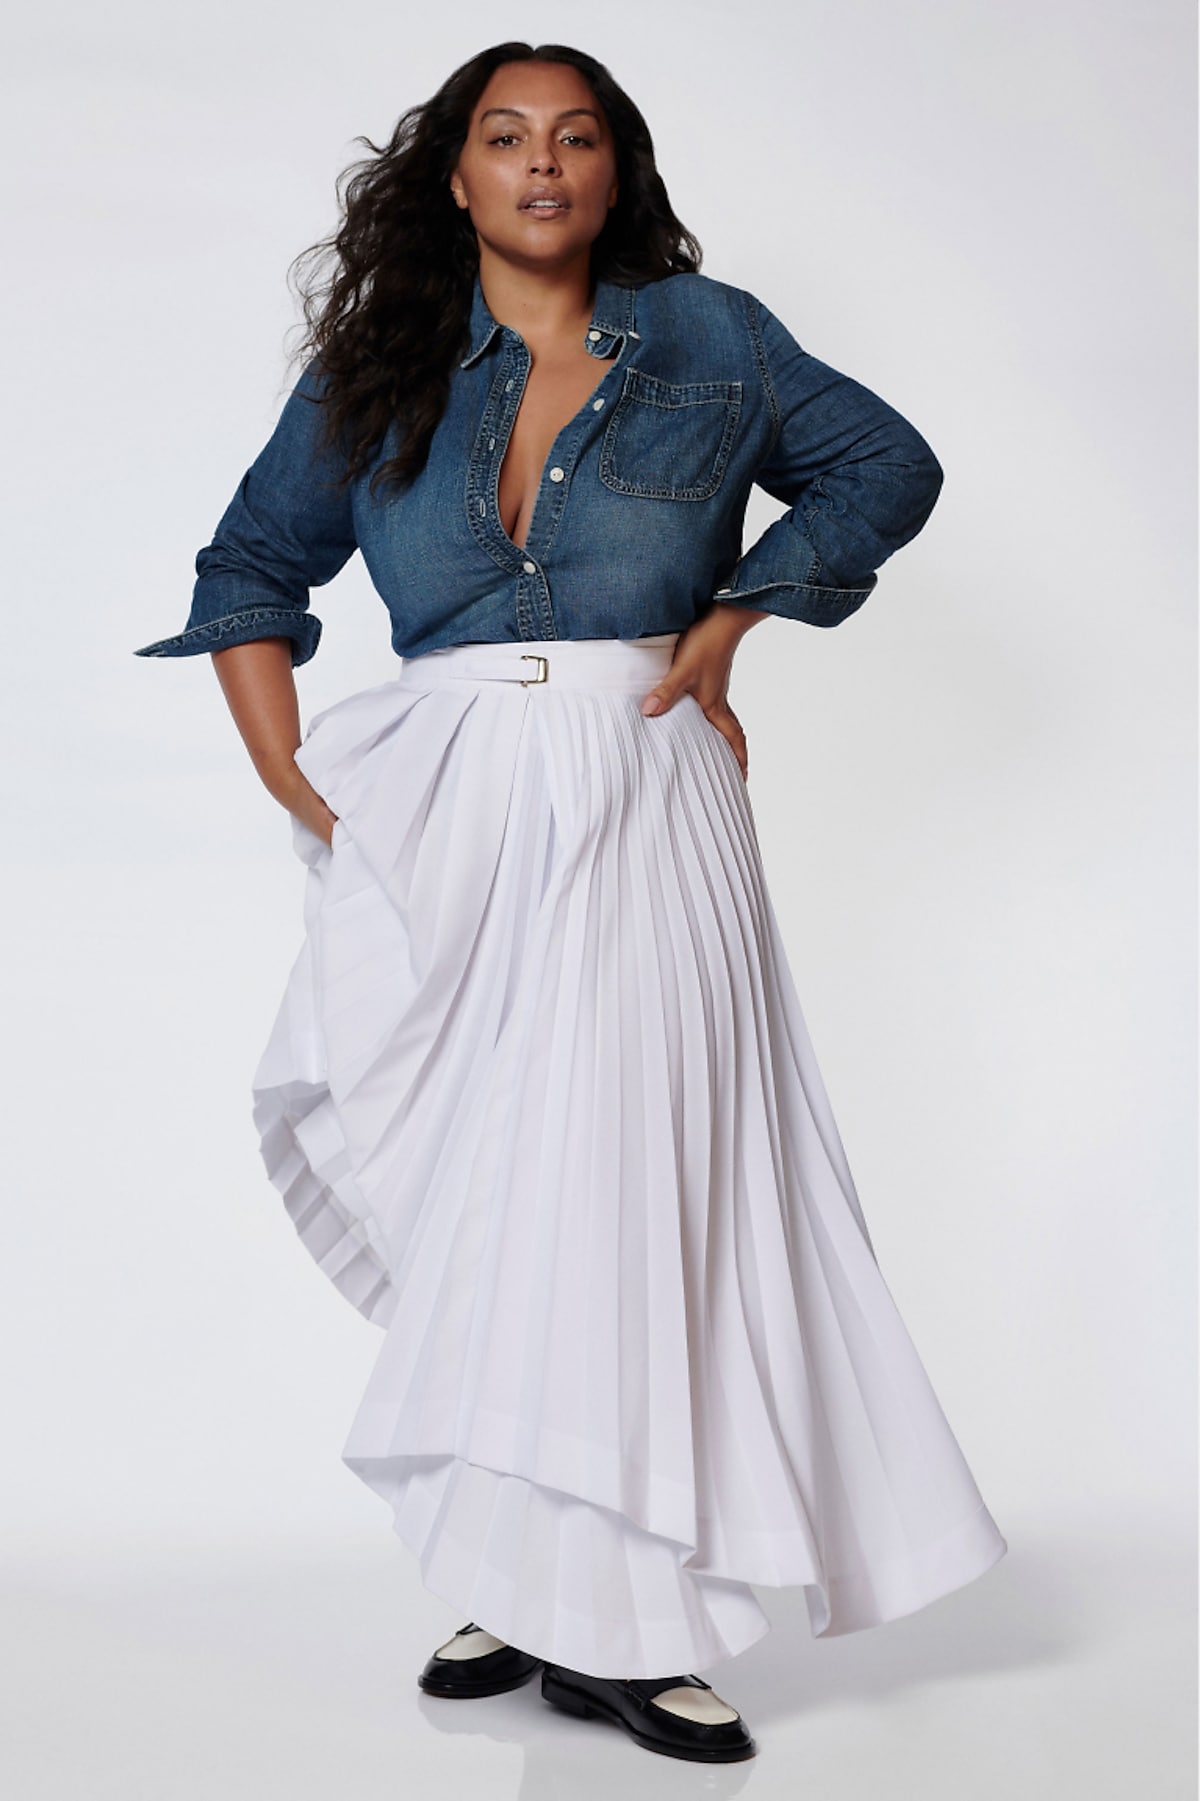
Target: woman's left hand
<point>701,667</point>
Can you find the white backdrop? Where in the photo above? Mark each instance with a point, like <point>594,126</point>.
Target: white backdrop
<point>975,798</point>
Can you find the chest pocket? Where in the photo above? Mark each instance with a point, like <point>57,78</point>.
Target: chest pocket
<point>669,440</point>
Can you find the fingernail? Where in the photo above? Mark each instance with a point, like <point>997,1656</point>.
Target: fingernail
<point>651,704</point>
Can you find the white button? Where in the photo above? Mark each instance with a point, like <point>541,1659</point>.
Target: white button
<point>483,506</point>
<point>507,386</point>
<point>529,568</point>
<point>596,405</point>
<point>593,335</point>
<point>556,475</point>
<point>491,443</point>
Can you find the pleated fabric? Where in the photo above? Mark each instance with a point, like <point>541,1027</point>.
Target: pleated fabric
<point>541,1102</point>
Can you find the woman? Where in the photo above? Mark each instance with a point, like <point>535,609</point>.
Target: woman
<point>540,1099</point>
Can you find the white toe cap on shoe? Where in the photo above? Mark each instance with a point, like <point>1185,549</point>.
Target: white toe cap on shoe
<point>698,1704</point>
<point>469,1644</point>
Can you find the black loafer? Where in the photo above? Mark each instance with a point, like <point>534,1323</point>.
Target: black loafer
<point>493,1673</point>
<point>631,1704</point>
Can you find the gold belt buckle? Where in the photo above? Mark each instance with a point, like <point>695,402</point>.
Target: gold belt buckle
<point>542,675</point>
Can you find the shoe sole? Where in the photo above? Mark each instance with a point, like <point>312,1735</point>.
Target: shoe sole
<point>585,1707</point>
<point>472,1694</point>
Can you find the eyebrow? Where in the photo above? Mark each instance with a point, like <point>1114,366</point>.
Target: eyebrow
<point>572,112</point>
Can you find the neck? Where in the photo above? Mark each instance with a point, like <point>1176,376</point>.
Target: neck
<point>538,303</point>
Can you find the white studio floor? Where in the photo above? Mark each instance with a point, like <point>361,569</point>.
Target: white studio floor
<point>1066,1671</point>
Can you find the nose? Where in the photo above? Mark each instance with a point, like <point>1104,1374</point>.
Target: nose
<point>542,160</point>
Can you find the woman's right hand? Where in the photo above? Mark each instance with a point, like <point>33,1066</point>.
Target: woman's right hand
<point>297,794</point>
<point>259,686</point>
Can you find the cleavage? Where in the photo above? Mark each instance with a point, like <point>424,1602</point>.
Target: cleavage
<point>557,389</point>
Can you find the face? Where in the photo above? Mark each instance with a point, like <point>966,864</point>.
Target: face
<point>537,134</point>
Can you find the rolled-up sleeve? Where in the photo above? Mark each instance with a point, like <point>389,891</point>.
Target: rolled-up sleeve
<point>859,481</point>
<point>288,528</point>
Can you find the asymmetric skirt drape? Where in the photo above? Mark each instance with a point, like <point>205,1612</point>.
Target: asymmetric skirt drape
<point>541,1103</point>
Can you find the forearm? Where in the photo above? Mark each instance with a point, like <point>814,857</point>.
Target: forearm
<point>260,690</point>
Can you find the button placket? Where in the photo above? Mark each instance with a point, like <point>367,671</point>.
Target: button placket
<point>517,357</point>
<point>535,616</point>
<point>495,428</point>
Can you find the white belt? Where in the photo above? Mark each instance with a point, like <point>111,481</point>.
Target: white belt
<point>571,662</point>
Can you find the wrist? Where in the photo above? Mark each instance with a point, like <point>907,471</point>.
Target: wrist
<point>732,607</point>
<point>282,778</point>
<point>733,619</point>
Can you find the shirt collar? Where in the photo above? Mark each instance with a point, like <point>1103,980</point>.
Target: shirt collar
<point>613,319</point>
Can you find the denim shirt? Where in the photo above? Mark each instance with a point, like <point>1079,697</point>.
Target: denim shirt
<point>637,526</point>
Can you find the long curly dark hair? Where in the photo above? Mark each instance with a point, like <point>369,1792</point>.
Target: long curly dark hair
<point>387,296</point>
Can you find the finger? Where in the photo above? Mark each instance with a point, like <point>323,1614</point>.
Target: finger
<point>661,698</point>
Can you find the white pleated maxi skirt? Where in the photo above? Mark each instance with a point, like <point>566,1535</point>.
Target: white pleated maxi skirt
<point>541,1102</point>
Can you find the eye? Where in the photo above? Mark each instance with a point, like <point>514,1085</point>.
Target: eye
<point>510,137</point>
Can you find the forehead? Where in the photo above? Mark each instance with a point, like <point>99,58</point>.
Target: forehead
<point>537,89</point>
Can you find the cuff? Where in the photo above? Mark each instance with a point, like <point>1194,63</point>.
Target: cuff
<point>304,630</point>
<point>799,600</point>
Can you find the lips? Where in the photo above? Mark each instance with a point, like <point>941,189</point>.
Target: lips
<point>544,200</point>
